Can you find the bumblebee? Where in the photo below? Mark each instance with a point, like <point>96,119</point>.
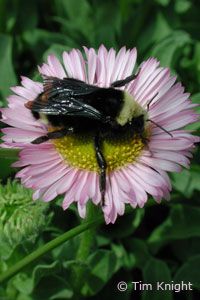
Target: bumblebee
<point>79,108</point>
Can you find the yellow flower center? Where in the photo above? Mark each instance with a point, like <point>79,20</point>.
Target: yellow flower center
<point>78,150</point>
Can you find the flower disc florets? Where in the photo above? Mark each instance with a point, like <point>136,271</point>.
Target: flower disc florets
<point>78,151</point>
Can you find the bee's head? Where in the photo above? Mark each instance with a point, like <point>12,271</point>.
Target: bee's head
<point>133,116</point>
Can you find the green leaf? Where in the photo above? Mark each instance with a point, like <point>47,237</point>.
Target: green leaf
<point>11,291</point>
<point>123,258</point>
<point>102,264</point>
<point>169,49</point>
<point>53,286</point>
<point>191,62</point>
<point>183,222</point>
<point>67,251</point>
<point>72,10</point>
<point>3,295</point>
<point>79,29</point>
<point>106,34</point>
<point>187,181</point>
<point>7,74</point>
<point>27,17</point>
<point>195,62</point>
<point>195,100</point>
<point>156,272</point>
<point>158,30</point>
<point>138,252</point>
<point>44,270</point>
<point>182,6</point>
<point>63,294</point>
<point>23,283</point>
<point>3,266</point>
<point>23,297</point>
<point>102,240</point>
<point>6,251</point>
<point>184,249</point>
<point>162,28</point>
<point>7,157</point>
<point>47,40</point>
<point>190,272</point>
<point>106,27</point>
<point>6,169</point>
<point>9,153</point>
<point>163,2</point>
<point>11,253</point>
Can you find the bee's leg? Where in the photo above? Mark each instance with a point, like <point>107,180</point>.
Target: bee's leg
<point>102,164</point>
<point>144,139</point>
<point>53,135</point>
<point>122,82</point>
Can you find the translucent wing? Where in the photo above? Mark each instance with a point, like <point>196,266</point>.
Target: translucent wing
<point>66,96</point>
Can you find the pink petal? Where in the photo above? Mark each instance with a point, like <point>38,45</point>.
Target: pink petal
<point>56,66</point>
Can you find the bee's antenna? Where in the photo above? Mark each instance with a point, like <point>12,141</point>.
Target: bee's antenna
<point>160,127</point>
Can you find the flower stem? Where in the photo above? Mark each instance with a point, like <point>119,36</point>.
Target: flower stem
<point>49,246</point>
<point>87,240</point>
<point>84,247</point>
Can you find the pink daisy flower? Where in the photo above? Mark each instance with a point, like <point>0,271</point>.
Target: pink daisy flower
<point>68,165</point>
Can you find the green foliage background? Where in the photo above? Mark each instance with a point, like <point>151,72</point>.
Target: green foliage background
<point>156,243</point>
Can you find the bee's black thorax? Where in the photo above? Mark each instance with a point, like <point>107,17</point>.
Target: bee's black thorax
<point>108,101</point>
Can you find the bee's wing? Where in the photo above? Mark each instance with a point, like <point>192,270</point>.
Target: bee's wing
<point>65,97</point>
